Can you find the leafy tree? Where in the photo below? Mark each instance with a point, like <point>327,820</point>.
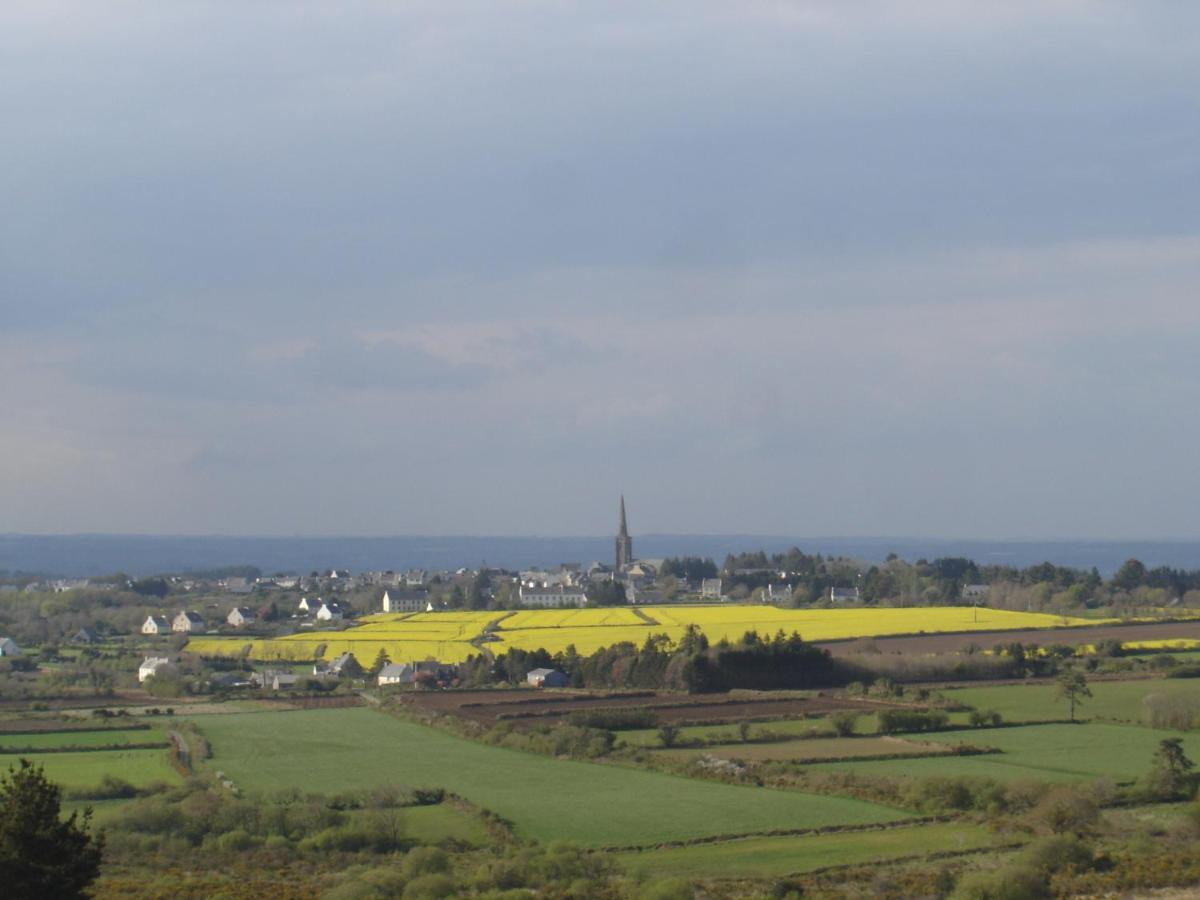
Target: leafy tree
<point>381,660</point>
<point>1072,687</point>
<point>1171,777</point>
<point>607,593</point>
<point>41,854</point>
<point>668,734</point>
<point>1132,574</point>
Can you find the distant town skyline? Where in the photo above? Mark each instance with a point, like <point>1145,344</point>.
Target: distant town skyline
<point>769,268</point>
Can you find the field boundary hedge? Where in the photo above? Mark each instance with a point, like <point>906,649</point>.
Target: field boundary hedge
<point>134,726</point>
<point>83,748</point>
<point>784,832</point>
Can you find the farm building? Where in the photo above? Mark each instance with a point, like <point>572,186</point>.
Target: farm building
<point>331,612</point>
<point>8,647</point>
<point>547,678</point>
<point>241,615</point>
<point>153,665</point>
<point>396,673</point>
<point>976,591</point>
<point>275,680</point>
<point>188,623</point>
<point>155,625</point>
<point>710,589</point>
<point>406,601</point>
<point>556,597</point>
<point>85,636</point>
<point>345,664</point>
<point>843,595</point>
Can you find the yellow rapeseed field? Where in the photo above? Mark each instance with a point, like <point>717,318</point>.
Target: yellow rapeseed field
<point>446,636</point>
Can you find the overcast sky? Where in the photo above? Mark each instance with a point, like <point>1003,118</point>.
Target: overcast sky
<point>805,268</point>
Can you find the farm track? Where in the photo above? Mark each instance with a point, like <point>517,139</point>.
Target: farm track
<point>1080,634</point>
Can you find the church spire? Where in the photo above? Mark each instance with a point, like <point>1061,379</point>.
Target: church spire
<point>624,541</point>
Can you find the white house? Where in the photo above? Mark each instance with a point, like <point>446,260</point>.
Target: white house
<point>843,595</point>
<point>405,601</point>
<point>188,623</point>
<point>547,678</point>
<point>8,647</point>
<point>778,593</point>
<point>307,607</point>
<point>241,615</point>
<point>396,673</point>
<point>331,612</point>
<point>553,596</point>
<point>152,666</point>
<point>155,625</point>
<point>710,589</point>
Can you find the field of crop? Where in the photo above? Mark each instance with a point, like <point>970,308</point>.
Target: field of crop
<point>445,635</point>
<point>774,857</point>
<point>1112,701</point>
<point>546,799</point>
<point>1039,752</point>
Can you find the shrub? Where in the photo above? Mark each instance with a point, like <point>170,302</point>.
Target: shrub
<point>668,735</point>
<point>428,796</point>
<point>980,718</point>
<point>429,887</point>
<point>674,889</point>
<point>893,721</point>
<point>844,722</point>
<point>425,861</point>
<point>1053,854</point>
<point>614,719</point>
<point>1184,672</point>
<point>1009,883</point>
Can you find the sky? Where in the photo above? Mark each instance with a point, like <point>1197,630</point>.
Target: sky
<point>799,268</point>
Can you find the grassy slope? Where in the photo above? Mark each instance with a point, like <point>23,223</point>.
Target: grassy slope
<point>1118,701</point>
<point>1042,752</point>
<point>83,738</point>
<point>777,856</point>
<point>819,748</point>
<point>138,767</point>
<point>595,805</point>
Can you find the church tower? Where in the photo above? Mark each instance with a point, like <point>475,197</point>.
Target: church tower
<point>624,541</point>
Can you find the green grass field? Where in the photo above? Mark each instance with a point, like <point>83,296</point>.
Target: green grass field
<point>1041,752</point>
<point>82,770</point>
<point>817,748</point>
<point>592,804</point>
<point>1112,701</point>
<point>773,857</point>
<point>83,738</point>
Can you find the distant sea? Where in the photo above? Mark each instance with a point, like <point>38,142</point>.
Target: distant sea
<point>74,556</point>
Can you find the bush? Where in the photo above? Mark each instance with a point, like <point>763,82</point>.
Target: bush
<point>674,889</point>
<point>1184,672</point>
<point>614,719</point>
<point>428,796</point>
<point>429,887</point>
<point>982,718</point>
<point>1009,883</point>
<point>1053,854</point>
<point>668,735</point>
<point>893,721</point>
<point>844,722</point>
<point>425,861</point>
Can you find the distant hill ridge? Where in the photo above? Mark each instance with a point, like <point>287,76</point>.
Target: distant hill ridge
<point>74,556</point>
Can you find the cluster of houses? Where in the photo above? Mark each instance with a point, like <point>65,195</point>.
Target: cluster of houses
<point>186,622</point>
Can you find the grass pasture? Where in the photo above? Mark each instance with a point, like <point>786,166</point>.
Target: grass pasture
<point>818,748</point>
<point>774,857</point>
<point>1059,753</point>
<point>86,769</point>
<point>101,738</point>
<point>546,799</point>
<point>1111,701</point>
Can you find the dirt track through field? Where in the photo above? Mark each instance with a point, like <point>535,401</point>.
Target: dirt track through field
<point>1043,637</point>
